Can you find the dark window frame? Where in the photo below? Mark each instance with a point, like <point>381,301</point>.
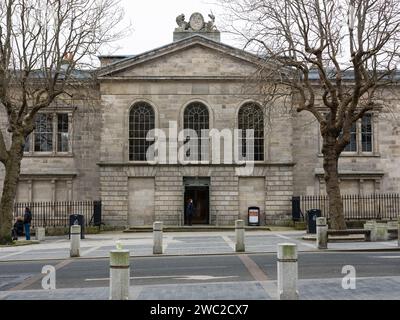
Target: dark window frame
<point>31,147</point>
<point>63,135</point>
<point>363,136</point>
<point>251,117</point>
<point>196,117</point>
<point>141,121</point>
<point>43,140</point>
<point>367,134</point>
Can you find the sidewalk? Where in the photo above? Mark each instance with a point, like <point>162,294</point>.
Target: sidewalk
<point>179,243</point>
<point>381,288</point>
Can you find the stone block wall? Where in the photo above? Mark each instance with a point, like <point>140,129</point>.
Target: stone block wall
<point>224,196</point>
<point>169,195</point>
<point>169,192</point>
<point>114,195</point>
<point>279,193</point>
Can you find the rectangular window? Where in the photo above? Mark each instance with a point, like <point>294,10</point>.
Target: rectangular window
<point>352,146</point>
<point>366,133</point>
<point>62,133</point>
<point>44,133</point>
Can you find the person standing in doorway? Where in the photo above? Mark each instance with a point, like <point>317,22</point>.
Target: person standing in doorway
<point>27,223</point>
<point>190,211</point>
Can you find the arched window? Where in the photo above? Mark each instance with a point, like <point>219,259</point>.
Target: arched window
<point>141,121</point>
<point>196,117</point>
<point>251,117</point>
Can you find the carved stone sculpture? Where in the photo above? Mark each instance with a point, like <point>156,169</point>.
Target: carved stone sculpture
<point>183,25</point>
<point>210,26</point>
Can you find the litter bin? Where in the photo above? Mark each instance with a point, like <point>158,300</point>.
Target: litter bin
<point>253,216</point>
<point>77,219</point>
<point>312,216</point>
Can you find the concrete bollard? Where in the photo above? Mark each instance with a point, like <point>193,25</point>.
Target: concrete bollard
<point>322,233</point>
<point>119,275</point>
<point>371,225</point>
<point>287,272</point>
<point>40,233</point>
<point>382,233</point>
<point>157,238</point>
<point>75,241</point>
<point>239,229</point>
<point>398,233</point>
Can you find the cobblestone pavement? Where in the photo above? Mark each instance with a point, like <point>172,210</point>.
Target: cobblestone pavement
<point>381,288</point>
<point>195,243</point>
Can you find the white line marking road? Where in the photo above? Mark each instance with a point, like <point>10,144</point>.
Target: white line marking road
<point>189,277</point>
<point>229,242</point>
<point>13,254</point>
<point>296,241</point>
<point>84,253</point>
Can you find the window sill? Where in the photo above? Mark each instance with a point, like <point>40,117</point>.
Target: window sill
<point>48,155</point>
<point>356,155</point>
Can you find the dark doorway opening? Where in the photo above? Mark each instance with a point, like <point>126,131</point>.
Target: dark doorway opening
<point>201,201</point>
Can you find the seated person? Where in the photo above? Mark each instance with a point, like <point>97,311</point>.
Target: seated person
<point>18,229</point>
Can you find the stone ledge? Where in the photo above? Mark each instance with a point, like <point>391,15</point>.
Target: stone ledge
<point>355,237</point>
<point>194,228</point>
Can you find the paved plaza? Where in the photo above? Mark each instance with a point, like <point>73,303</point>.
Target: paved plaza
<point>179,243</point>
<point>383,288</point>
<point>200,266</point>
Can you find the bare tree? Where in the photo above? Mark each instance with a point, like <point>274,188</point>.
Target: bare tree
<point>332,56</point>
<point>46,48</point>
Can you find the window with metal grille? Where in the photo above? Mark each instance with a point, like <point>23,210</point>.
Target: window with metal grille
<point>62,132</point>
<point>366,133</point>
<point>361,133</point>
<point>196,118</point>
<point>51,134</point>
<point>44,133</point>
<point>251,117</point>
<point>141,121</point>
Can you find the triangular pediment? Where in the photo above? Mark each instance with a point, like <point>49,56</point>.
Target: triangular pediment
<point>192,57</point>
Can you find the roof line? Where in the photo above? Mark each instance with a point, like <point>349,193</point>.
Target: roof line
<point>164,47</point>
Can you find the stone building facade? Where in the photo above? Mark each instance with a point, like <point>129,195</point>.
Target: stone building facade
<point>195,73</point>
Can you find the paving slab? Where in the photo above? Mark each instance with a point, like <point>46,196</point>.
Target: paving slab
<point>382,288</point>
<point>180,243</point>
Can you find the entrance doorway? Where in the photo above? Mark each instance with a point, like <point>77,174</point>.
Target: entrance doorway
<point>200,194</point>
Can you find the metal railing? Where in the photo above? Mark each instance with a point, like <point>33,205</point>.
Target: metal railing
<point>56,214</point>
<point>357,207</point>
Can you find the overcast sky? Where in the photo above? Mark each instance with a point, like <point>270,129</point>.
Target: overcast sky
<point>153,22</point>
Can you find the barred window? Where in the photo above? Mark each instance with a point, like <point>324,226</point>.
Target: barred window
<point>44,133</point>
<point>366,133</point>
<point>361,136</point>
<point>62,132</point>
<point>196,117</point>
<point>51,134</point>
<point>141,121</point>
<point>251,117</point>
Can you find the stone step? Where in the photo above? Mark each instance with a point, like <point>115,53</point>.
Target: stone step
<point>353,237</point>
<point>194,228</point>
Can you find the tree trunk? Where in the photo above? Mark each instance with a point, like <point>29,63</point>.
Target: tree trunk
<point>12,168</point>
<point>331,160</point>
